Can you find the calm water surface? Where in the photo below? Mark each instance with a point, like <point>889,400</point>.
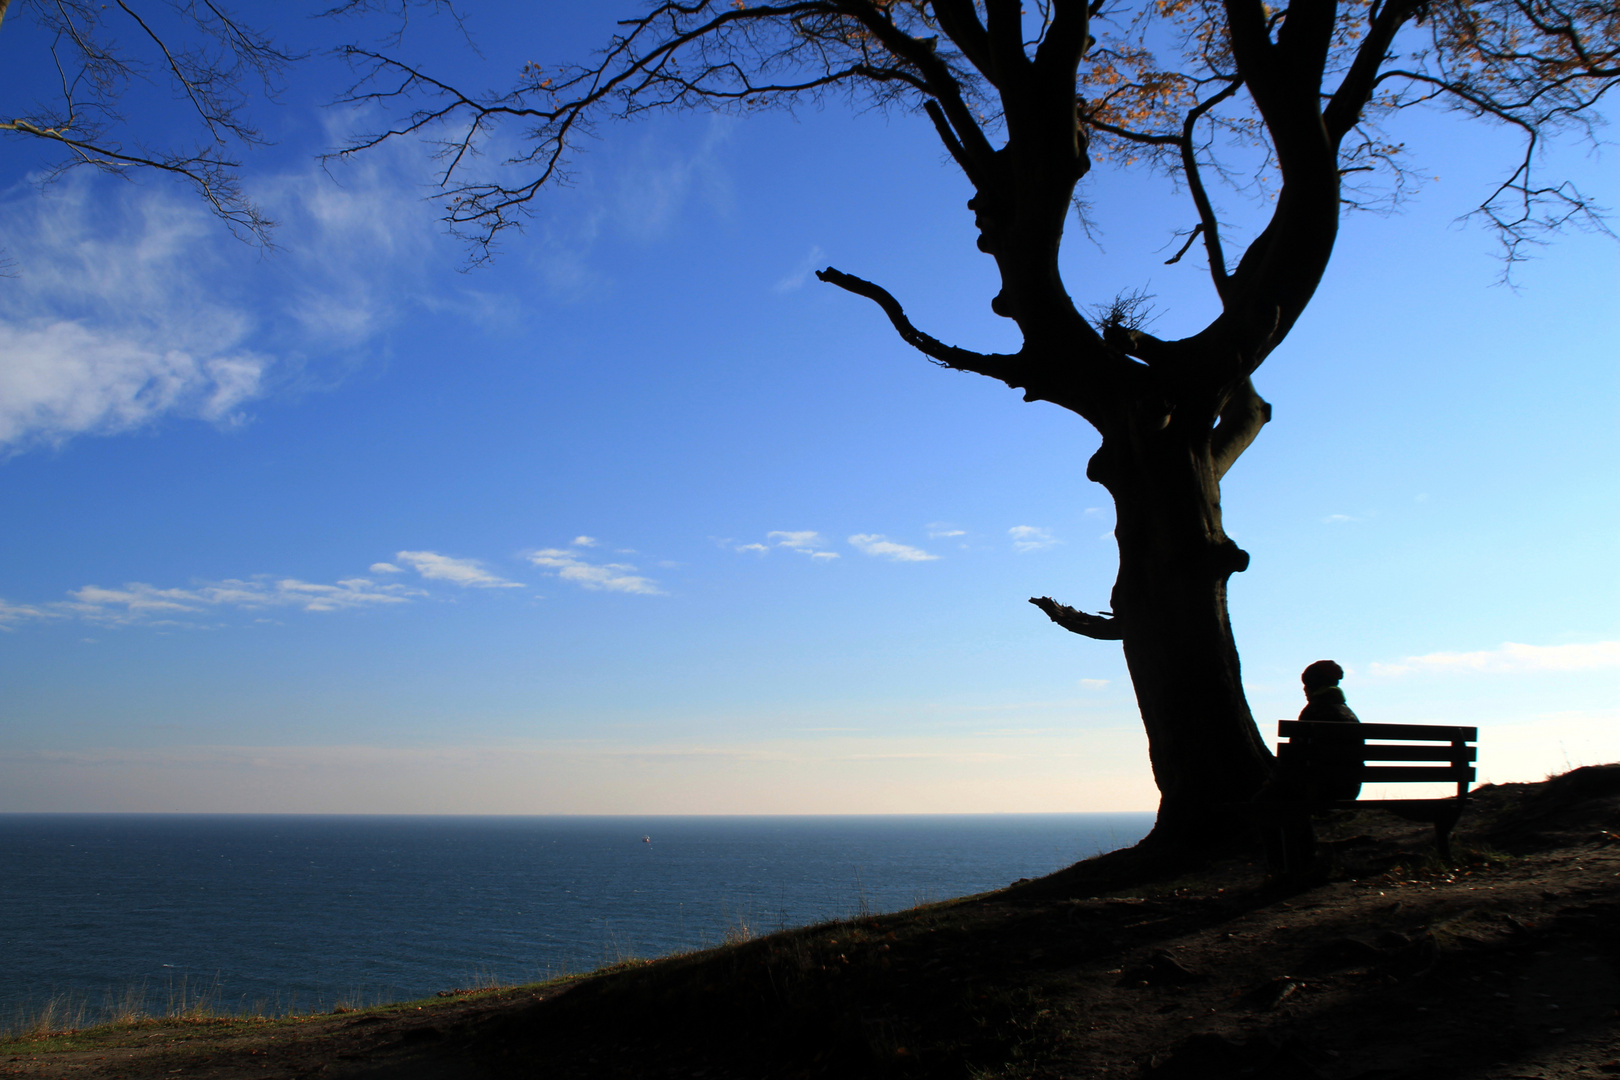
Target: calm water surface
<point>299,912</point>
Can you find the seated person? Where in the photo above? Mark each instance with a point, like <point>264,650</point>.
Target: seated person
<point>1324,703</point>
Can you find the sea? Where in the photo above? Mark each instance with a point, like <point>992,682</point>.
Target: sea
<point>121,914</point>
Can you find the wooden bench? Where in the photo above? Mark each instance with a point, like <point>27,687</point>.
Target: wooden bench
<point>1369,751</point>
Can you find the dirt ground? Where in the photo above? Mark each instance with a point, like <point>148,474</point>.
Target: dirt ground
<point>1503,964</point>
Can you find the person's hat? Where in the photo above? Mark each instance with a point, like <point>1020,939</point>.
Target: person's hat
<point>1321,674</point>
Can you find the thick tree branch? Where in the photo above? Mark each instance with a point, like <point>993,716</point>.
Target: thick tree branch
<point>1098,627</point>
<point>1006,367</point>
<point>1065,40</point>
<point>1246,412</point>
<point>961,24</point>
<point>1305,37</point>
<point>1279,272</point>
<point>943,85</point>
<point>942,127</point>
<point>1004,22</point>
<point>1345,108</point>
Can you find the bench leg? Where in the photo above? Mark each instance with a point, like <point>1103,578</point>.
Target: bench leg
<point>1442,831</point>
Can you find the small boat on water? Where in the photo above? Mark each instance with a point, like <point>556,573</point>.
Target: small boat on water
<point>646,839</point>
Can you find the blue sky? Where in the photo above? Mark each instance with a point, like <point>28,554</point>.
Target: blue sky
<point>641,518</point>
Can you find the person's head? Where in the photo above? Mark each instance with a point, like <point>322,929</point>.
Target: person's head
<point>1321,675</point>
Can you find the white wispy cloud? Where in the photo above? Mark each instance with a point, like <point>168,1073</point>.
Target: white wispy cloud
<point>365,239</point>
<point>468,573</point>
<point>107,329</point>
<point>1030,538</point>
<point>12,614</point>
<point>585,541</point>
<point>145,603</point>
<point>131,305</point>
<point>654,191</point>
<point>1338,519</point>
<point>805,542</point>
<point>882,547</point>
<point>796,278</point>
<point>139,602</point>
<point>1511,657</point>
<point>608,577</point>
<point>1093,684</point>
<point>636,193</point>
<point>940,530</point>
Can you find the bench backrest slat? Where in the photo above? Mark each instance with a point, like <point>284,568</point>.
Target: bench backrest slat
<point>1341,751</point>
<point>1454,754</point>
<point>1418,732</point>
<point>1397,774</point>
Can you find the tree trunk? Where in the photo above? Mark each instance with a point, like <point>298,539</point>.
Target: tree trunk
<point>1170,608</point>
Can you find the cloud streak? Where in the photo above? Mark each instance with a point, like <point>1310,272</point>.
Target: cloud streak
<point>636,194</point>
<point>569,566</point>
<point>468,573</point>
<point>800,274</point>
<point>1027,538</point>
<point>1510,657</point>
<point>12,614</point>
<point>805,542</point>
<point>139,602</point>
<point>881,547</point>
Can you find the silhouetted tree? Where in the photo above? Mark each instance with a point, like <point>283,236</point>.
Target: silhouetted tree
<point>197,50</point>
<point>1028,102</point>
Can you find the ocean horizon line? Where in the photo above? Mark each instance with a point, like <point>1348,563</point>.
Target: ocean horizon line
<point>478,815</point>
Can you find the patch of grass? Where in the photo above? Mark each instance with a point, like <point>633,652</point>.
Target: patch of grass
<point>59,1012</point>
<point>98,1035</point>
<point>1481,854</point>
<point>73,1011</point>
